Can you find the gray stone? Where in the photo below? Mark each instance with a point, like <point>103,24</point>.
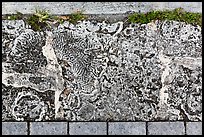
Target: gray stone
<point>127,128</point>
<point>48,128</point>
<point>87,128</point>
<point>166,128</point>
<point>23,104</point>
<point>14,128</point>
<point>97,7</point>
<point>194,128</point>
<point>95,71</point>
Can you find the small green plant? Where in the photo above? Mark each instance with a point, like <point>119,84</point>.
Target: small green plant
<point>77,16</point>
<point>42,15</point>
<point>178,15</point>
<point>16,16</point>
<point>38,21</point>
<point>42,19</point>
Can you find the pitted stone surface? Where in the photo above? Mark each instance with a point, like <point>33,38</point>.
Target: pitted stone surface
<point>26,104</point>
<point>102,71</point>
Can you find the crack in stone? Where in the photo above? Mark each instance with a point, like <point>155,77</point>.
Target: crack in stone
<point>189,62</point>
<point>53,65</point>
<point>165,67</point>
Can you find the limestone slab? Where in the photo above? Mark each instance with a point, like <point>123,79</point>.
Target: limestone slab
<point>102,71</point>
<point>127,128</point>
<point>194,128</point>
<point>48,128</point>
<point>87,128</point>
<point>97,7</point>
<point>14,128</point>
<point>166,128</point>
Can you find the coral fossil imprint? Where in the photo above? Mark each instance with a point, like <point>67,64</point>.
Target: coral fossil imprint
<point>100,71</point>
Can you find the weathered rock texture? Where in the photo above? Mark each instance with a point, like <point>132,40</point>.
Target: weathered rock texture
<point>101,71</point>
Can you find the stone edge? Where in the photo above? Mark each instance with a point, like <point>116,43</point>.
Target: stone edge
<point>107,125</point>
<point>97,7</point>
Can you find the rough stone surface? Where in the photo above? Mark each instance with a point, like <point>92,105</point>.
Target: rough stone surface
<point>14,128</point>
<point>48,128</point>
<point>87,128</point>
<point>194,128</point>
<point>127,128</point>
<point>102,71</point>
<point>97,7</point>
<point>166,128</point>
<point>26,104</point>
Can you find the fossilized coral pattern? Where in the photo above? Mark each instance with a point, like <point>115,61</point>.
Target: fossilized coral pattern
<point>101,71</point>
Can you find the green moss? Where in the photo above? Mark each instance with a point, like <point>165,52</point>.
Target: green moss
<point>178,15</point>
<point>41,18</point>
<point>16,16</point>
<point>77,16</point>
